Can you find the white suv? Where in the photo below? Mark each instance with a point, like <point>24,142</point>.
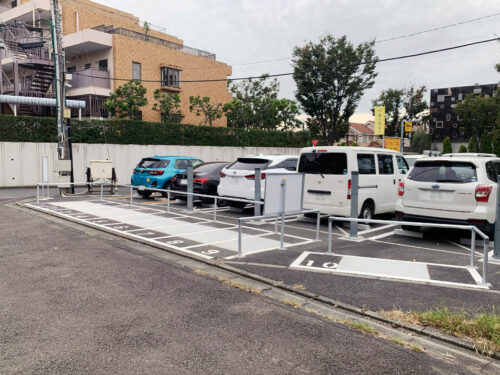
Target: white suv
<point>453,188</point>
<point>237,180</point>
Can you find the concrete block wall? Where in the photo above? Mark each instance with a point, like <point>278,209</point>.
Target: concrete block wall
<point>21,163</point>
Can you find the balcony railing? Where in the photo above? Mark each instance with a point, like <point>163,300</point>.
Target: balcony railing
<point>90,77</point>
<point>152,39</point>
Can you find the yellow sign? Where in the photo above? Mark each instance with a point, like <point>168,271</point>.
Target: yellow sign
<point>379,121</point>
<point>408,126</point>
<point>393,144</point>
<point>67,112</point>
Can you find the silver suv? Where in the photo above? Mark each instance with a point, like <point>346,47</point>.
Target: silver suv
<point>453,188</point>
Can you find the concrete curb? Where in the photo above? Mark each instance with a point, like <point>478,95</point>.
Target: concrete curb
<point>425,331</point>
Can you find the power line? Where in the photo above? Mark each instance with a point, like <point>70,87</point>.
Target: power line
<point>387,39</point>
<point>333,67</point>
<point>133,18</point>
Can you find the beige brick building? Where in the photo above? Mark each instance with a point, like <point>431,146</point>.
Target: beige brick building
<point>106,47</point>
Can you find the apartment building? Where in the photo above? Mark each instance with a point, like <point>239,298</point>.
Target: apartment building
<point>105,48</point>
<point>444,122</point>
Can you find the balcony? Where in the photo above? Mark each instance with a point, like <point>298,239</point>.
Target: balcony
<point>27,12</point>
<point>90,81</point>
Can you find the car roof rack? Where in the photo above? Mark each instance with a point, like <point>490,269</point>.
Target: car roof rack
<point>462,154</point>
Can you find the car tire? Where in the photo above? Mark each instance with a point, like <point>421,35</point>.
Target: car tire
<point>144,194</point>
<point>410,228</point>
<point>367,210</point>
<point>240,205</point>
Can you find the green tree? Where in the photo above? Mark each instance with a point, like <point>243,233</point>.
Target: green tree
<point>472,145</point>
<point>202,106</point>
<point>169,106</point>
<point>331,77</point>
<point>420,141</point>
<point>486,144</point>
<point>127,100</point>
<point>462,149</point>
<point>392,100</point>
<point>477,115</point>
<point>256,105</point>
<point>402,104</point>
<point>447,146</point>
<point>496,142</point>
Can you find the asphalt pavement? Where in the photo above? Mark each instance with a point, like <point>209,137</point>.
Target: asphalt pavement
<point>75,300</point>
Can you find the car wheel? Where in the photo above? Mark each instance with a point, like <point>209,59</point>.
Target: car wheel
<point>145,194</point>
<point>237,204</point>
<point>410,228</point>
<point>367,211</point>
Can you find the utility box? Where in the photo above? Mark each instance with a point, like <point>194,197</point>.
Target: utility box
<point>101,169</point>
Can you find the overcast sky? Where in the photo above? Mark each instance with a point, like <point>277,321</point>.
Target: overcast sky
<point>247,31</point>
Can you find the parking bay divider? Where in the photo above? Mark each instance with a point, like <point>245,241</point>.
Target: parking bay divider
<point>473,229</point>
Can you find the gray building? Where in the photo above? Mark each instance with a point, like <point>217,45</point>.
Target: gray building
<point>443,120</point>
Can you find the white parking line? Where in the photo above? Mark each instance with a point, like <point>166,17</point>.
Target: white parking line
<point>380,236</point>
<point>376,229</point>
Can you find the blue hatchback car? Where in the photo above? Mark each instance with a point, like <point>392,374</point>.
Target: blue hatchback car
<point>156,172</point>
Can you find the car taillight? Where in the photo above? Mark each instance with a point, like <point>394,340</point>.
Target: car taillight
<point>483,193</point>
<point>201,180</point>
<point>222,175</point>
<point>349,188</point>
<point>174,178</point>
<point>401,189</point>
<point>155,173</point>
<point>134,170</point>
<point>252,176</point>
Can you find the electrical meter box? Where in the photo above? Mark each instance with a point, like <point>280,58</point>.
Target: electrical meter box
<point>101,169</point>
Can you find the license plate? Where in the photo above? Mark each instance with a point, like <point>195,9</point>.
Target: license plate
<point>437,195</point>
<point>184,181</point>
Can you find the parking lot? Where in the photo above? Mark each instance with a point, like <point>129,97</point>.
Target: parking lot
<point>384,268</point>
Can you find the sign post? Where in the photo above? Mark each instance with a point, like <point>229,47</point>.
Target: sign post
<point>380,123</point>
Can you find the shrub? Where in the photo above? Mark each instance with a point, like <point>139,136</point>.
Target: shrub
<point>447,146</point>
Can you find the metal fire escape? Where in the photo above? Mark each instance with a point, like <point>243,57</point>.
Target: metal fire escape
<point>29,70</point>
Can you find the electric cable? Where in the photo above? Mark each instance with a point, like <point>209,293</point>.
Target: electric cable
<point>332,67</point>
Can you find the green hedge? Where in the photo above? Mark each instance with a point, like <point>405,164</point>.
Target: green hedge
<point>44,129</point>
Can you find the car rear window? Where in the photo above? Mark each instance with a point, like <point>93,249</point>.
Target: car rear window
<point>443,171</point>
<point>249,164</point>
<point>183,163</point>
<point>323,163</point>
<point>153,163</point>
<point>210,168</point>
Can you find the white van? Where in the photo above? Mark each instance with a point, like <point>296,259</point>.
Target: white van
<point>328,179</point>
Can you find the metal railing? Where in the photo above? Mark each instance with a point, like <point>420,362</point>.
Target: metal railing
<point>474,231</point>
<point>41,186</point>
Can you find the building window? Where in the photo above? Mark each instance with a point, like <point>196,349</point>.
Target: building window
<point>440,98</point>
<point>460,96</point>
<point>452,98</point>
<point>170,77</point>
<point>448,117</point>
<point>454,125</point>
<point>453,105</point>
<point>458,117</point>
<point>13,4</point>
<point>441,106</point>
<point>136,71</point>
<point>103,64</point>
<point>462,131</point>
<point>439,124</point>
<point>88,66</point>
<point>432,104</point>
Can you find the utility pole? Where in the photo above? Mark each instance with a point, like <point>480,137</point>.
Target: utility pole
<point>63,145</point>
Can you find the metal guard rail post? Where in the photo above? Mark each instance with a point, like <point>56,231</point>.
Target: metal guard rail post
<point>276,216</point>
<point>474,230</point>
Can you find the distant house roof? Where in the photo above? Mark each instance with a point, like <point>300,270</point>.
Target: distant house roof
<point>359,129</point>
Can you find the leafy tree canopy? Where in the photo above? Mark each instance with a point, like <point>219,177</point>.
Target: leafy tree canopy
<point>402,105</point>
<point>420,141</point>
<point>169,106</point>
<point>447,146</point>
<point>202,106</point>
<point>477,114</point>
<point>256,105</point>
<point>331,77</point>
<point>127,100</point>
